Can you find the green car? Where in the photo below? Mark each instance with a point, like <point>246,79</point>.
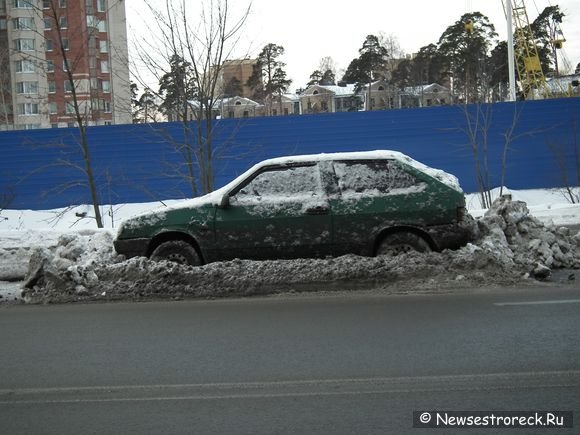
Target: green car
<point>366,203</point>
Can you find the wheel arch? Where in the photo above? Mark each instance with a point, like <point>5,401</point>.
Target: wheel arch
<point>168,236</point>
<point>404,229</point>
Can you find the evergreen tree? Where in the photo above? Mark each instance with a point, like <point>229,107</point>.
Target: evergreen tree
<point>545,30</point>
<point>177,89</point>
<point>464,47</point>
<point>369,66</point>
<point>268,76</point>
<point>315,78</point>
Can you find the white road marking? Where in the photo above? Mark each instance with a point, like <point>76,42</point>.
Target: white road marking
<point>290,389</point>
<point>556,301</point>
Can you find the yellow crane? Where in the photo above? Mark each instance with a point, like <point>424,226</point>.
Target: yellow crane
<point>532,80</point>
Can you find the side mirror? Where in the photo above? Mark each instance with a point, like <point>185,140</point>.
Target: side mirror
<point>224,201</point>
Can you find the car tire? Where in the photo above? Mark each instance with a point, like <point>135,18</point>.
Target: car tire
<point>402,242</point>
<point>178,251</point>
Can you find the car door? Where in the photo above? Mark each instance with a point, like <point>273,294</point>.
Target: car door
<point>374,195</point>
<point>281,212</point>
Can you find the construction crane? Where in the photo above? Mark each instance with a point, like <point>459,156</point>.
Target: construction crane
<point>533,83</point>
<point>527,60</point>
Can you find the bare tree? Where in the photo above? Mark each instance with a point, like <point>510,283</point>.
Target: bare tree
<point>82,110</point>
<point>69,38</point>
<point>202,44</point>
<point>5,87</point>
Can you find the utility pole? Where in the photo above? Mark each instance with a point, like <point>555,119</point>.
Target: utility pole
<point>510,47</point>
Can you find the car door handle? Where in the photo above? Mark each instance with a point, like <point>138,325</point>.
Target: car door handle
<point>317,210</point>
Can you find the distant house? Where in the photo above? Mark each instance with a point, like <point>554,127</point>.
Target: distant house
<point>330,98</point>
<point>425,96</point>
<point>382,96</point>
<point>239,107</point>
<point>566,86</point>
<point>289,105</point>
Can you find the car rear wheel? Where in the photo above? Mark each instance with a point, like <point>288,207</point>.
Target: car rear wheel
<point>178,251</point>
<point>402,242</point>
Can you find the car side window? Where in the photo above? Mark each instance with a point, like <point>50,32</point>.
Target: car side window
<point>299,182</point>
<point>374,177</point>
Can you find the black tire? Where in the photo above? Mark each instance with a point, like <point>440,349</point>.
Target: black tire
<point>402,242</point>
<point>177,251</point>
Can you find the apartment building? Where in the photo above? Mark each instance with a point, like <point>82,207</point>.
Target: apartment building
<point>41,41</point>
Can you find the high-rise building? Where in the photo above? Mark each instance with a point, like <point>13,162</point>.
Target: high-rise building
<point>235,75</point>
<point>41,41</point>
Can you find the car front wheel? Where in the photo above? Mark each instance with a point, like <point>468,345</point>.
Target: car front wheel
<point>178,251</point>
<point>402,242</point>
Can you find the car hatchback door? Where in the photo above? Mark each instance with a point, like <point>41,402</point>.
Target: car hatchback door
<point>375,194</point>
<point>281,212</point>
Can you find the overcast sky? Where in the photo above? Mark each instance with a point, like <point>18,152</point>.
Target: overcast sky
<point>312,29</point>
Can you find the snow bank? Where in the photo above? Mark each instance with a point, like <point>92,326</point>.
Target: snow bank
<point>511,246</point>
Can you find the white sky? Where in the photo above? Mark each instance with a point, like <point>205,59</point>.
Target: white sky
<point>310,30</point>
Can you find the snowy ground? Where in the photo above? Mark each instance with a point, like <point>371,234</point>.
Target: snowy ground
<point>73,261</point>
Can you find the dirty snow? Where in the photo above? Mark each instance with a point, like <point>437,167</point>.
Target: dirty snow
<point>70,261</point>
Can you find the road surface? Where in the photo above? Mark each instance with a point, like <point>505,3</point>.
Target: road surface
<point>359,363</point>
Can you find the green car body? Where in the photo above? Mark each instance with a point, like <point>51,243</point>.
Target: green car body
<point>309,206</point>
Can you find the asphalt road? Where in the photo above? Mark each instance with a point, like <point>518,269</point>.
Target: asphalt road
<point>288,365</point>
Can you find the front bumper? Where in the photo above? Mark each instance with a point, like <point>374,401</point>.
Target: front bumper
<point>132,247</point>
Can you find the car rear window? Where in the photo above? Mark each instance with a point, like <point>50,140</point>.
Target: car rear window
<point>374,177</point>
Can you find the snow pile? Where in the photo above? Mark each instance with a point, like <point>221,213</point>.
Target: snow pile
<point>511,246</point>
<point>16,248</point>
<point>71,264</point>
<point>509,229</point>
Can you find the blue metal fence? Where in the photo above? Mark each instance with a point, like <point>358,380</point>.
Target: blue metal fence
<point>42,169</point>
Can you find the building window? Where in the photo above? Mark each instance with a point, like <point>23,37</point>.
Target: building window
<point>24,44</point>
<point>104,66</point>
<point>106,106</point>
<point>108,123</point>
<point>48,45</point>
<point>101,5</point>
<point>104,46</point>
<point>106,86</point>
<point>52,108</point>
<point>25,66</point>
<point>51,87</point>
<point>3,23</point>
<point>67,86</point>
<point>28,109</point>
<point>27,88</point>
<point>62,3</point>
<point>46,4</point>
<point>23,4</point>
<point>54,125</point>
<point>23,23</point>
<point>63,22</point>
<point>91,21</point>
<point>30,126</point>
<point>102,26</point>
<point>69,108</point>
<point>64,66</point>
<point>65,44</point>
<point>47,23</point>
<point>49,66</point>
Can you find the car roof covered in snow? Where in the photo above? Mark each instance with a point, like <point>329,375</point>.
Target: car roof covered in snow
<point>444,177</point>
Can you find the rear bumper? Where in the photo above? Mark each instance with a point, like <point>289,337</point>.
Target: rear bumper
<point>453,236</point>
<point>132,247</point>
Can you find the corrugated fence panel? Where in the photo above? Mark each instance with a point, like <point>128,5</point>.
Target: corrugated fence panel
<point>43,169</point>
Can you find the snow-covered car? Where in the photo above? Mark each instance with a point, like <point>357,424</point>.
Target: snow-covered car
<point>366,203</point>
